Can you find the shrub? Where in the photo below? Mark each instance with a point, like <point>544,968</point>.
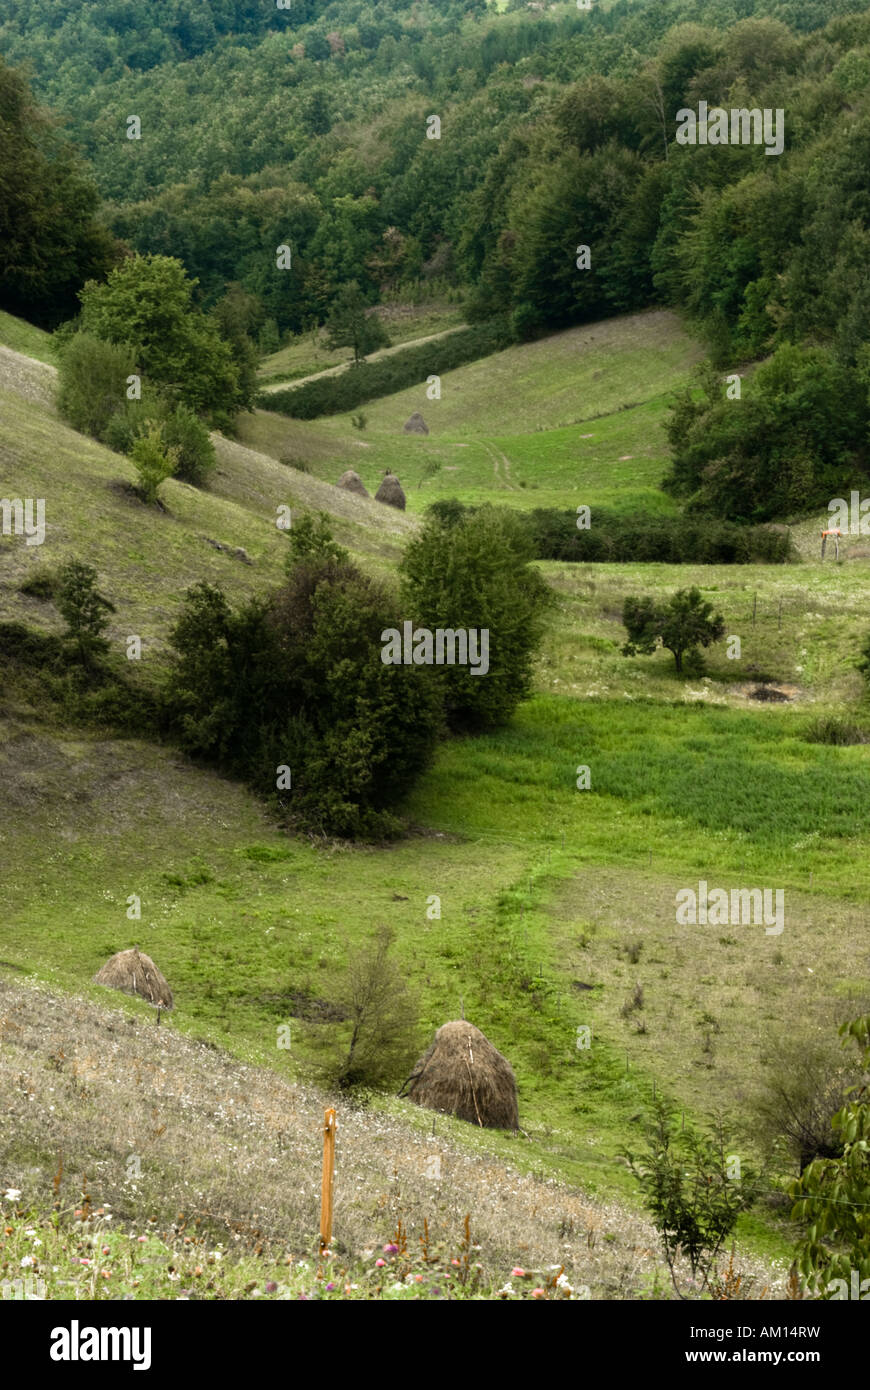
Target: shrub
<point>833,1194</point>
<point>615,537</point>
<point>329,395</point>
<point>475,573</point>
<point>83,608</point>
<point>383,1015</point>
<point>804,1088</point>
<point>836,732</point>
<point>297,681</point>
<point>92,379</point>
<point>153,461</point>
<point>124,427</point>
<point>682,625</point>
<point>689,1191</point>
<point>310,538</point>
<point>185,432</point>
<point>41,585</point>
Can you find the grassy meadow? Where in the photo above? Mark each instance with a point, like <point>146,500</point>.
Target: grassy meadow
<point>555,903</point>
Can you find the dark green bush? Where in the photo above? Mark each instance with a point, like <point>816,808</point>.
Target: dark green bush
<point>617,538</point>
<point>475,573</point>
<point>297,681</point>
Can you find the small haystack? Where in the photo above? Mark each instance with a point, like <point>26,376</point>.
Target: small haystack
<point>462,1074</point>
<point>390,491</point>
<point>352,482</point>
<point>415,424</point>
<point>135,973</point>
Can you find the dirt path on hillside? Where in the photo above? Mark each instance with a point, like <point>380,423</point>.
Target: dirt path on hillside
<point>499,460</point>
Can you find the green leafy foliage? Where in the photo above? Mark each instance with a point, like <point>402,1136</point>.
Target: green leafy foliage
<point>682,625</point>
<point>330,394</point>
<point>50,239</point>
<point>796,437</point>
<point>297,682</point>
<point>147,302</point>
<point>350,324</point>
<point>689,1190</point>
<point>154,461</point>
<point>383,1014</point>
<point>832,1195</point>
<point>92,383</point>
<point>83,608</point>
<point>475,573</point>
<point>310,538</point>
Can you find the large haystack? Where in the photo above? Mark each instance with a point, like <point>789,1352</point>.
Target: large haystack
<point>352,482</point>
<point>390,491</point>
<point>135,973</point>
<point>462,1074</point>
<point>415,424</point>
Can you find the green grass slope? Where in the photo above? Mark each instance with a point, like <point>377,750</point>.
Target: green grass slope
<point>147,556</point>
<point>543,887</point>
<point>575,418</point>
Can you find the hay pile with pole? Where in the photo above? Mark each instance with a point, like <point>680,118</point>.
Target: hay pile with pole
<point>352,482</point>
<point>462,1074</point>
<point>135,973</point>
<point>390,491</point>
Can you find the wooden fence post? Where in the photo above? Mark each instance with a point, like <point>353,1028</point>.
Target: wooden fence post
<point>327,1184</point>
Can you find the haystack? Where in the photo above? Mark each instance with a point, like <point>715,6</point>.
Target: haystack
<point>390,491</point>
<point>462,1074</point>
<point>135,973</point>
<point>352,482</point>
<point>415,424</point>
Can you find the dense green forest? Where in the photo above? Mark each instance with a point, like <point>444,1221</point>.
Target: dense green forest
<point>310,129</point>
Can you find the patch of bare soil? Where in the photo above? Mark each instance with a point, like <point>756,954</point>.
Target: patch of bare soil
<point>769,692</point>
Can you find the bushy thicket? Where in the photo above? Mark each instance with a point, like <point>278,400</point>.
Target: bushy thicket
<point>668,540</point>
<point>365,381</point>
<point>797,437</point>
<point>617,537</point>
<point>296,682</point>
<point>475,573</point>
<point>92,382</point>
<point>92,395</point>
<point>291,692</point>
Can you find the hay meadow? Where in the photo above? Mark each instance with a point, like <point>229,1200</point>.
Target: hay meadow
<point>556,904</point>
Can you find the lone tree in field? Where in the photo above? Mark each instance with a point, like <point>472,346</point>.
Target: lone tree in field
<point>383,1013</point>
<point>476,573</point>
<point>350,325</point>
<point>683,624</point>
<point>83,608</point>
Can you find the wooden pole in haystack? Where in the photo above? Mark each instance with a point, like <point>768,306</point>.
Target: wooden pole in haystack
<point>328,1181</point>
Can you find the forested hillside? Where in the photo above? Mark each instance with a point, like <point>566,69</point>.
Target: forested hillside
<point>308,126</point>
